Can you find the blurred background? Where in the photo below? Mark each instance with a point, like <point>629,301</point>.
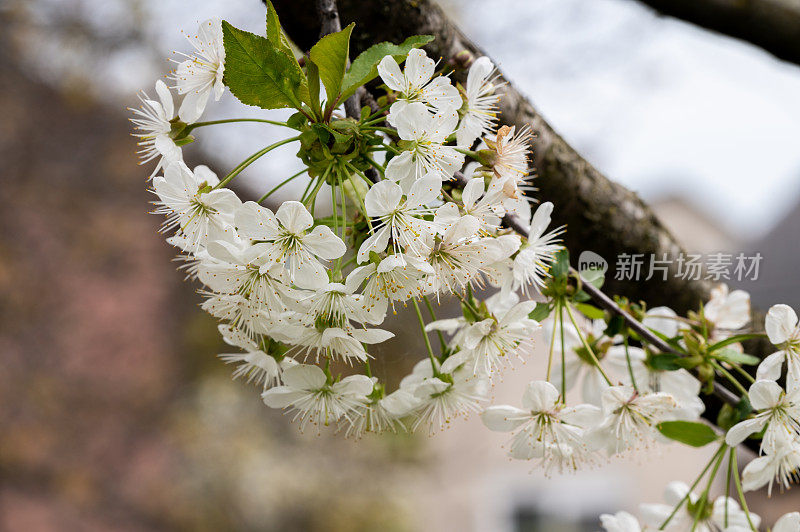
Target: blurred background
<point>115,413</point>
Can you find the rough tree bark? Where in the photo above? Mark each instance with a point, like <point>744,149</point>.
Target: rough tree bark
<point>601,215</point>
<point>774,25</point>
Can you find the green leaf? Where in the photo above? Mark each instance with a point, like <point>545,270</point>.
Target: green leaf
<point>313,88</point>
<point>732,356</point>
<point>590,311</point>
<point>259,74</point>
<point>615,326</point>
<point>581,296</point>
<point>735,339</point>
<point>275,34</point>
<point>665,362</point>
<point>593,276</point>
<point>541,312</point>
<point>330,55</point>
<point>560,266</point>
<point>365,67</point>
<point>731,415</point>
<point>688,432</point>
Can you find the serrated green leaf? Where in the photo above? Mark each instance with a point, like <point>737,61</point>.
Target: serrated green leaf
<point>540,312</point>
<point>688,432</point>
<point>732,356</point>
<point>590,311</point>
<point>330,55</point>
<point>365,67</point>
<point>260,74</point>
<point>275,33</point>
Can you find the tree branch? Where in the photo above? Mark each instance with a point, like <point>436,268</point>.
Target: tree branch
<point>773,25</point>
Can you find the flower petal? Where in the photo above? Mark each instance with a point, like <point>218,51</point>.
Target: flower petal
<point>294,217</point>
<point>504,418</point>
<point>780,323</point>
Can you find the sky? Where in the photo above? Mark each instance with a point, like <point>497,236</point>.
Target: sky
<point>661,106</point>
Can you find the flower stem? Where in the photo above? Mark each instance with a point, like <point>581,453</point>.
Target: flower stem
<point>586,346</point>
<point>693,486</point>
<point>250,160</point>
<point>425,336</point>
<point>733,380</point>
<point>739,490</point>
<point>279,185</point>
<point>190,127</point>
<point>552,345</point>
<point>433,317</point>
<point>630,366</point>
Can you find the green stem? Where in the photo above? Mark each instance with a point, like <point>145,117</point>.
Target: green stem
<point>704,495</point>
<point>586,346</point>
<point>387,130</point>
<point>552,345</point>
<point>739,490</point>
<point>250,160</point>
<point>279,185</point>
<point>425,336</point>
<point>469,153</point>
<point>433,317</point>
<point>749,378</point>
<point>628,359</point>
<point>375,165</point>
<point>190,127</point>
<point>563,352</point>
<point>728,487</point>
<point>692,487</point>
<point>727,374</point>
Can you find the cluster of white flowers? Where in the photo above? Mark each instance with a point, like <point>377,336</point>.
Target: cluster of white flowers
<point>277,280</point>
<point>303,296</point>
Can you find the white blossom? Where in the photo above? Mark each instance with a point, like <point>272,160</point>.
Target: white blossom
<point>425,135</point>
<point>191,204</point>
<point>784,333</point>
<point>400,218</point>
<point>201,73</point>
<point>620,522</point>
<point>415,84</point>
<point>254,364</point>
<point>781,463</point>
<point>480,105</point>
<point>727,310</point>
<point>153,123</point>
<point>492,342</point>
<point>630,418</point>
<point>548,430</point>
<point>451,392</point>
<point>680,384</point>
<point>314,398</point>
<point>788,523</point>
<point>663,320</point>
<point>532,262</point>
<point>288,241</point>
<point>779,413</point>
<point>460,254</point>
<point>655,514</point>
<point>395,278</point>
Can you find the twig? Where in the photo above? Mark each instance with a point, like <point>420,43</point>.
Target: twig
<point>329,18</point>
